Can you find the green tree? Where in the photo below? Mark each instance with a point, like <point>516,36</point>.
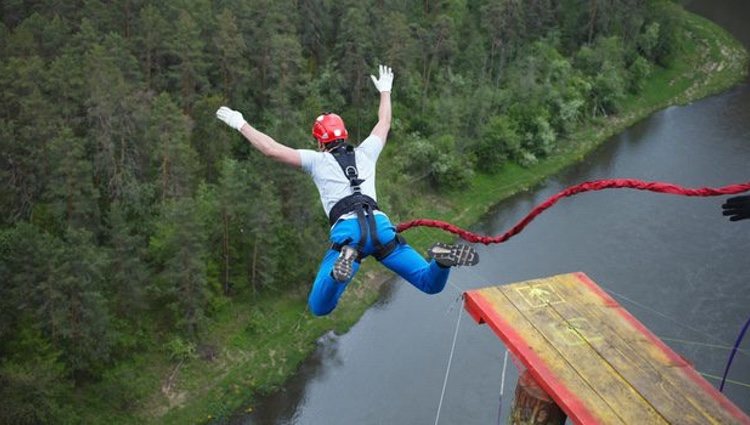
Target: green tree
<point>127,271</point>
<point>27,122</point>
<point>436,161</point>
<point>71,305</point>
<point>438,46</point>
<point>33,385</point>
<point>153,46</point>
<point>188,74</point>
<point>604,65</point>
<point>174,159</point>
<point>250,218</point>
<point>178,249</point>
<point>504,27</point>
<point>232,52</point>
<point>354,54</point>
<point>499,141</point>
<point>115,117</point>
<point>71,192</point>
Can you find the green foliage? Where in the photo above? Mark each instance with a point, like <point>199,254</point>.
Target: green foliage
<point>129,215</point>
<point>499,142</point>
<point>638,71</point>
<point>172,156</point>
<point>179,349</point>
<point>179,251</point>
<point>436,161</point>
<point>604,64</point>
<point>71,194</point>
<point>33,385</point>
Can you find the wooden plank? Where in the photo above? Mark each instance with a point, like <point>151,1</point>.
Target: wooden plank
<point>596,360</point>
<point>685,379</point>
<point>572,346</point>
<point>629,354</point>
<point>638,360</point>
<point>561,382</point>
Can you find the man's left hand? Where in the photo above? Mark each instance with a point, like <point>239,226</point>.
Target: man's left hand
<point>231,117</point>
<point>385,82</point>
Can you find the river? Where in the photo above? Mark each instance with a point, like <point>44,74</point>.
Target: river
<point>675,263</point>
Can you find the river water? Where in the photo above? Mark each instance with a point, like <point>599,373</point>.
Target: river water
<point>673,262</point>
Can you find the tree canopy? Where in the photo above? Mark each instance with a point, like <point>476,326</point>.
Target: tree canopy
<point>129,214</point>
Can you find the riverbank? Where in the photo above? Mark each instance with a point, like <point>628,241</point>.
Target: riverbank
<point>256,348</point>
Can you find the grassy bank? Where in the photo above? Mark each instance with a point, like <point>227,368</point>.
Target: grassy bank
<point>254,344</point>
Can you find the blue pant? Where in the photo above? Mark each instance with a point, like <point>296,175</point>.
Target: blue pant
<point>404,261</point>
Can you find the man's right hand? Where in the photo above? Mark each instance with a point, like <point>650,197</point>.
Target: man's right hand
<point>737,208</point>
<point>231,117</point>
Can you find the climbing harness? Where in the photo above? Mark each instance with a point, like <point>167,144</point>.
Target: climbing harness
<point>658,187</point>
<point>361,204</point>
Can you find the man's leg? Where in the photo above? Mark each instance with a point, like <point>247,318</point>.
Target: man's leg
<point>429,277</point>
<point>326,291</point>
<point>409,264</point>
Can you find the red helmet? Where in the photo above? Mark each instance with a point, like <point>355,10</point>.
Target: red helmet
<point>329,127</point>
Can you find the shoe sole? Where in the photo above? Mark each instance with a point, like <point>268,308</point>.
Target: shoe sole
<point>343,268</point>
<point>454,255</point>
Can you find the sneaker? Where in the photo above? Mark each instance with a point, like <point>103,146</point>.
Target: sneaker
<point>453,255</point>
<point>343,268</point>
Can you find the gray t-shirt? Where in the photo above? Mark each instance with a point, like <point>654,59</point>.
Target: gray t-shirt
<point>330,180</point>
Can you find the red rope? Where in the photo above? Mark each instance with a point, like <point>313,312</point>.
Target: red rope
<point>573,190</point>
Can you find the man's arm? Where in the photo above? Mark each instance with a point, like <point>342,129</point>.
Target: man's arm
<point>260,141</point>
<point>383,84</point>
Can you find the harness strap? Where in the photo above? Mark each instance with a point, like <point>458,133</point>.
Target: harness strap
<point>337,247</point>
<point>361,220</point>
<point>349,204</point>
<point>381,254</point>
<point>388,248</point>
<point>373,230</point>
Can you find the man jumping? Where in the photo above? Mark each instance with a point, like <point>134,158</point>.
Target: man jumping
<point>345,178</point>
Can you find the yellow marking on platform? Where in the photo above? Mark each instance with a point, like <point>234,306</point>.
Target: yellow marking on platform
<point>539,295</point>
<point>587,345</point>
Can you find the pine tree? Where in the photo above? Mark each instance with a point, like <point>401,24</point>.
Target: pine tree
<point>250,218</point>
<point>152,42</point>
<point>71,306</point>
<point>71,192</point>
<point>210,143</point>
<point>114,118</point>
<point>127,271</point>
<point>188,74</point>
<point>173,158</point>
<point>179,249</point>
<point>232,52</point>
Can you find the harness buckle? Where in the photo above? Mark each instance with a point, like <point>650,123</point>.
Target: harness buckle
<point>351,172</point>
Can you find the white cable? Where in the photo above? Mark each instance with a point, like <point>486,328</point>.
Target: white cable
<point>502,376</point>
<point>448,369</point>
<point>502,387</point>
<point>675,321</point>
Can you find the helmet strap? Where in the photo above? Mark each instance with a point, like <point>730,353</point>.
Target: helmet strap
<point>328,147</point>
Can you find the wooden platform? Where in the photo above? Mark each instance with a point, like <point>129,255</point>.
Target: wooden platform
<point>594,359</point>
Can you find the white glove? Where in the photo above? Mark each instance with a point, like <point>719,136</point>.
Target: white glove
<point>385,81</point>
<point>233,118</point>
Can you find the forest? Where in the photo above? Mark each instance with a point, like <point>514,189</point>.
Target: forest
<point>130,217</point>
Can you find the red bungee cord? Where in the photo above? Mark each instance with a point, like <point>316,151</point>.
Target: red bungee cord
<point>659,187</point>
